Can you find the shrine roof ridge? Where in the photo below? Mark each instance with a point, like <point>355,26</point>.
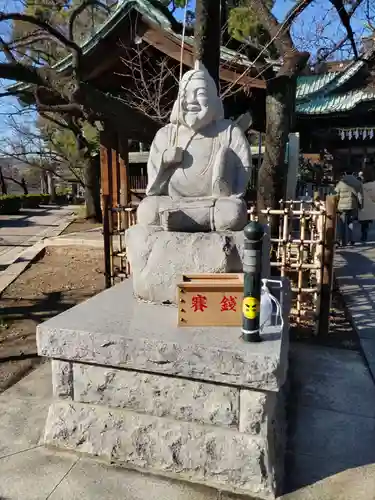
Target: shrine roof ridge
<point>150,13</point>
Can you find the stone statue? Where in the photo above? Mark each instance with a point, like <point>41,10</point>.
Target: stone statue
<point>199,164</point>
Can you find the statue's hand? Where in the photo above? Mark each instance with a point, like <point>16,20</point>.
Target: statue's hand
<point>173,156</point>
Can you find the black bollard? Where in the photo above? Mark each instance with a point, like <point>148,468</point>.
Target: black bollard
<point>252,264</point>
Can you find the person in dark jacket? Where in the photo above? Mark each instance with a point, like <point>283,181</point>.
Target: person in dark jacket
<point>365,224</point>
<point>350,194</point>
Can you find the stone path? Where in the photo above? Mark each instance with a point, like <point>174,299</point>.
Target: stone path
<point>22,235</point>
<point>332,426</point>
<point>332,452</point>
<point>355,274</point>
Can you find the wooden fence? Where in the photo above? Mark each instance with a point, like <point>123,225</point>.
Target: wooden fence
<point>302,242</point>
<point>138,183</point>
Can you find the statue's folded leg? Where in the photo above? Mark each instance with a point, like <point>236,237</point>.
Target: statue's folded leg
<point>148,212</point>
<point>230,214</point>
<point>224,214</point>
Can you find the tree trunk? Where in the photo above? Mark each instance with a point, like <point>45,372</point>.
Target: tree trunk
<point>43,183</point>
<point>51,187</point>
<point>24,186</point>
<point>3,184</point>
<point>273,173</point>
<point>208,36</point>
<point>92,189</point>
<point>74,192</point>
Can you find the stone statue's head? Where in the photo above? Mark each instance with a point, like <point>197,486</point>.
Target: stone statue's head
<point>198,103</point>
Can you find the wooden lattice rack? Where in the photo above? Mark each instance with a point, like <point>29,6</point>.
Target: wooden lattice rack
<point>302,250</point>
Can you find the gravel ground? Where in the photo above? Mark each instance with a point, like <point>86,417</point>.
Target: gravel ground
<point>341,333</point>
<point>81,225</point>
<point>62,278</point>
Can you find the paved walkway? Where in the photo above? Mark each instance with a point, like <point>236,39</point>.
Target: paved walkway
<point>331,452</point>
<point>22,235</point>
<point>355,273</point>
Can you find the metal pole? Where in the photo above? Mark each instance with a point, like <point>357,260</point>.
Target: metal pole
<point>252,264</point>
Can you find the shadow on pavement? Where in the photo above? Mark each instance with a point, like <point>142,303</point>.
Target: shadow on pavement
<point>331,416</point>
<point>331,409</point>
<point>355,276</point>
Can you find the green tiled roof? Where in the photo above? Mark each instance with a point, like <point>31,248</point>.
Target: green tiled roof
<point>334,103</point>
<point>307,85</point>
<point>318,94</point>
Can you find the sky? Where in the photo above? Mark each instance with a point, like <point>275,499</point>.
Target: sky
<point>8,105</point>
<point>314,27</point>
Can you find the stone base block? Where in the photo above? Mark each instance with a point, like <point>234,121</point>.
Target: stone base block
<point>198,404</point>
<point>159,258</point>
<point>220,458</point>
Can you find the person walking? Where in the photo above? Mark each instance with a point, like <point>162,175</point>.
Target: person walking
<point>350,200</point>
<point>363,217</point>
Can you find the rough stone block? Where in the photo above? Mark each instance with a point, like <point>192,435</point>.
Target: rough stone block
<point>114,329</point>
<point>157,395</point>
<point>217,457</point>
<point>62,379</point>
<point>159,258</point>
<point>263,414</point>
<point>256,409</point>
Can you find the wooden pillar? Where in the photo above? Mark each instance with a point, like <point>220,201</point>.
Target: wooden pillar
<point>327,264</point>
<point>104,163</point>
<point>106,194</point>
<point>115,171</point>
<point>123,149</point>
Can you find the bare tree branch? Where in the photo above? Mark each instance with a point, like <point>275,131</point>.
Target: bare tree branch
<point>60,37</point>
<point>155,81</point>
<point>82,7</point>
<point>345,20</point>
<point>6,50</point>
<point>296,11</point>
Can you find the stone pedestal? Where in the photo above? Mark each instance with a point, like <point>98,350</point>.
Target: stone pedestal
<point>196,404</point>
<point>159,258</point>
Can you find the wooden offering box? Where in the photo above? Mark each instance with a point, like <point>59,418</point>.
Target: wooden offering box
<point>210,300</point>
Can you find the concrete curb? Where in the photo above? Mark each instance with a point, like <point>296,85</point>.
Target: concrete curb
<point>23,261</point>
<point>73,242</point>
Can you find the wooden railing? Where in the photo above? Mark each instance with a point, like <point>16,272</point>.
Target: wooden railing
<point>303,250</point>
<point>138,183</point>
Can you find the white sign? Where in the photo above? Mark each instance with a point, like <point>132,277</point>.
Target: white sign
<point>368,211</point>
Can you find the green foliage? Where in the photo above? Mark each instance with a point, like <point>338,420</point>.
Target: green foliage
<point>63,191</point>
<point>10,204</point>
<point>34,200</point>
<point>45,199</point>
<point>243,23</point>
<point>174,3</point>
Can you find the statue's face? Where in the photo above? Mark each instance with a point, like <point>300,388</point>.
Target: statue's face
<point>194,103</point>
<point>198,103</point>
